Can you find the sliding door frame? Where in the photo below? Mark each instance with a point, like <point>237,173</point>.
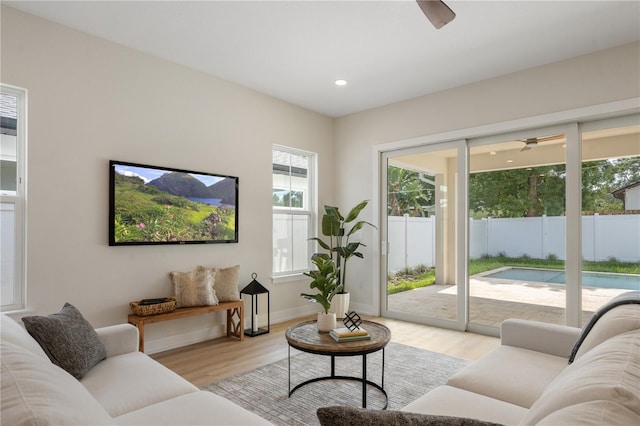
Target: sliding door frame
<point>571,121</point>
<point>573,209</point>
<point>460,230</point>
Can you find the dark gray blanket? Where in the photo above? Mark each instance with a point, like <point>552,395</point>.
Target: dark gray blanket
<point>622,299</point>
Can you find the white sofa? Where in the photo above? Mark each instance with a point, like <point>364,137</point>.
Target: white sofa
<point>528,379</point>
<point>127,388</point>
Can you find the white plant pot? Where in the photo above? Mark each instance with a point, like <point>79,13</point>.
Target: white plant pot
<point>340,305</point>
<point>326,322</point>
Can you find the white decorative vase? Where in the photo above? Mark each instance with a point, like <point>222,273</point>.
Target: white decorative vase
<point>326,322</point>
<point>340,305</point>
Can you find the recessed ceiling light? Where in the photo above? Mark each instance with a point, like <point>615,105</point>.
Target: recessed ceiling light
<point>492,153</point>
<point>509,161</point>
<point>340,82</point>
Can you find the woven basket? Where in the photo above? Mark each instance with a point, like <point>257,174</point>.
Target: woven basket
<point>155,309</point>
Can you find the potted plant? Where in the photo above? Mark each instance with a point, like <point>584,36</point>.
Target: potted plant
<point>325,280</point>
<point>333,226</point>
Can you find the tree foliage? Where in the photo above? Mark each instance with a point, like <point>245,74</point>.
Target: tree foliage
<point>408,193</point>
<point>524,192</point>
<point>536,191</point>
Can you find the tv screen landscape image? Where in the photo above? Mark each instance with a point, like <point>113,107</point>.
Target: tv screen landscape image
<point>159,205</point>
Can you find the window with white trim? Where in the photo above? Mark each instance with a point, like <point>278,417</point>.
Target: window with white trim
<point>12,197</point>
<point>293,209</point>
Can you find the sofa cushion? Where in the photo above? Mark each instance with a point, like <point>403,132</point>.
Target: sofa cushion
<point>119,339</point>
<point>37,392</point>
<point>13,332</point>
<point>193,288</point>
<point>617,321</point>
<point>629,297</point>
<point>501,373</point>
<point>131,381</point>
<point>608,372</point>
<point>68,340</point>
<point>450,401</point>
<point>351,416</point>
<point>197,408</point>
<point>595,413</point>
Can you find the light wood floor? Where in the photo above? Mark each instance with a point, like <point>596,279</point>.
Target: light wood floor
<point>207,362</point>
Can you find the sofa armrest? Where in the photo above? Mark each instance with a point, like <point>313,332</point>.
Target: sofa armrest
<point>119,339</point>
<point>552,339</point>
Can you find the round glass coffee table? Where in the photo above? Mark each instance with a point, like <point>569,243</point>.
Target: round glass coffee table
<point>305,337</point>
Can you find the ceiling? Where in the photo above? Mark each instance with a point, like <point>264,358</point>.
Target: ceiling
<point>387,50</point>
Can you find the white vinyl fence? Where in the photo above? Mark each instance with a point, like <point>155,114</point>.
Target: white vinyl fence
<point>412,240</point>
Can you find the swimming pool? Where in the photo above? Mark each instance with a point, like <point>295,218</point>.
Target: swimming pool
<point>589,279</point>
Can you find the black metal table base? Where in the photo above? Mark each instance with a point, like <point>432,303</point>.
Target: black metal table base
<point>333,376</point>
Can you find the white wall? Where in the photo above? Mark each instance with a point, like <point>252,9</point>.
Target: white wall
<point>632,198</point>
<point>90,101</point>
<point>602,77</point>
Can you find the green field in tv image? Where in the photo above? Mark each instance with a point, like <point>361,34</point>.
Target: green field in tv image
<point>175,207</point>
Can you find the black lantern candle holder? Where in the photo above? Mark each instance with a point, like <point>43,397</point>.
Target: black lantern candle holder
<point>255,289</point>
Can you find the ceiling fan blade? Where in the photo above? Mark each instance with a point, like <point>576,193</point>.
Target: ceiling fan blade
<point>525,148</point>
<point>550,138</point>
<point>437,12</point>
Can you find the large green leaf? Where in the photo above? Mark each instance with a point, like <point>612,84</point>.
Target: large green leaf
<point>331,226</point>
<point>356,211</point>
<point>322,243</point>
<point>333,211</point>
<point>359,226</point>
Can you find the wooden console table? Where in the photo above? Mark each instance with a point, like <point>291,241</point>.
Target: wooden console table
<point>235,318</point>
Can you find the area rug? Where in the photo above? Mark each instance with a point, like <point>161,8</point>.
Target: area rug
<point>408,374</point>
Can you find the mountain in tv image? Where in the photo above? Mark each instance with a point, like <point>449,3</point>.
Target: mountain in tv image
<point>175,208</point>
<point>187,186</point>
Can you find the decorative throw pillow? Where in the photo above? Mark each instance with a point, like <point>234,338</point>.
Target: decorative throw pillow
<point>352,416</point>
<point>226,283</point>
<point>629,297</point>
<point>68,339</point>
<point>194,288</point>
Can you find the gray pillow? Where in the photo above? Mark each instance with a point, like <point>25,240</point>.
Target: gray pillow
<point>351,416</point>
<point>68,339</point>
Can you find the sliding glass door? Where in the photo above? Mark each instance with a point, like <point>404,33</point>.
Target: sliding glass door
<point>610,211</point>
<point>517,191</point>
<point>542,224</point>
<point>421,260</point>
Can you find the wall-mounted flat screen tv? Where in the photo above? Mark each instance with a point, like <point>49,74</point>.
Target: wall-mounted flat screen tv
<point>160,205</point>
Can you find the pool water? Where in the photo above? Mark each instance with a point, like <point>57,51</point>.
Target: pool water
<point>589,279</point>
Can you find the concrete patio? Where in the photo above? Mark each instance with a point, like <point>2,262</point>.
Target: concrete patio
<point>494,300</point>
